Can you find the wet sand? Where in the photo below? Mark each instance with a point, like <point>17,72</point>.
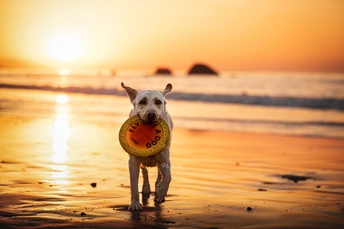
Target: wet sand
<point>54,178</point>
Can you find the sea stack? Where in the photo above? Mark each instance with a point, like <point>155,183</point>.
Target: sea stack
<point>163,71</point>
<point>202,69</point>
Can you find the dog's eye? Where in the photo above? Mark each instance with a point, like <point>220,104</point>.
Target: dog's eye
<point>158,102</point>
<point>143,102</point>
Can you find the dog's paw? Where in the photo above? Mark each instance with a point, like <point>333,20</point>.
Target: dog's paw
<point>157,202</point>
<point>160,195</point>
<point>135,206</point>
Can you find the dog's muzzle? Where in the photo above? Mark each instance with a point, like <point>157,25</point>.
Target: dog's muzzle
<point>151,116</point>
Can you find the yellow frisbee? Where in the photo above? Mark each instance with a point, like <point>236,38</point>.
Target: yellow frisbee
<point>144,139</point>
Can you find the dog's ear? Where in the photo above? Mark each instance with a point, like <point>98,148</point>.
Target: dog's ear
<point>167,89</point>
<point>130,92</point>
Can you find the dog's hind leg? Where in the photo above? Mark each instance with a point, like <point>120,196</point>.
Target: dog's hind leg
<point>158,180</point>
<point>165,179</point>
<point>146,186</point>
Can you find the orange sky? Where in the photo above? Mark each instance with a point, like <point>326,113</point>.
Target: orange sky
<point>229,35</point>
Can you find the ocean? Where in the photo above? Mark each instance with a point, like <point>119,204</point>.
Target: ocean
<point>62,165</point>
<point>289,103</point>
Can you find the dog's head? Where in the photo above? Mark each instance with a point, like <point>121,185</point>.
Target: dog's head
<point>149,105</point>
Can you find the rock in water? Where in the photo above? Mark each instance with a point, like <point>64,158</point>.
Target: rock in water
<point>201,69</point>
<point>94,185</point>
<point>163,71</point>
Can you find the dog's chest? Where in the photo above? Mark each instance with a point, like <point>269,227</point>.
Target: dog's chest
<point>148,161</point>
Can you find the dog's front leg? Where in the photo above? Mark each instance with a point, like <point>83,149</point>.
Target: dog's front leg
<point>162,187</point>
<point>134,168</point>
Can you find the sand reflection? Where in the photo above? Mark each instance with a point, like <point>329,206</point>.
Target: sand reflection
<point>60,134</point>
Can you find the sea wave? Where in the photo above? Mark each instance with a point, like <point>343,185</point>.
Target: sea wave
<point>312,103</point>
<point>261,121</point>
<point>316,128</point>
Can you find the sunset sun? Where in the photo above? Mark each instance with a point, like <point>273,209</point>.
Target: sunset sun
<point>64,46</point>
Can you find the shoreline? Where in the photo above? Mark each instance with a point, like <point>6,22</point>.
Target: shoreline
<point>215,116</point>
<point>29,117</point>
<point>220,179</point>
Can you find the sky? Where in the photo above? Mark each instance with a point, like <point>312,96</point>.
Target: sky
<point>229,35</point>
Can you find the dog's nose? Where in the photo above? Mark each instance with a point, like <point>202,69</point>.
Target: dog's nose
<point>151,116</point>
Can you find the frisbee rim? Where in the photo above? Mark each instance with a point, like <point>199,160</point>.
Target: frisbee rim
<point>158,148</point>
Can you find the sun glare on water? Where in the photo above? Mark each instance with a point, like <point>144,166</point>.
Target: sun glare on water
<point>62,98</point>
<point>64,71</point>
<point>64,46</point>
<point>61,129</point>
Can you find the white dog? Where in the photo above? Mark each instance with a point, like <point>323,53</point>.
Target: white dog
<point>150,106</point>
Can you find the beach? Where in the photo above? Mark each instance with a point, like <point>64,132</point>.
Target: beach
<point>242,156</point>
<point>220,179</point>
<point>255,90</point>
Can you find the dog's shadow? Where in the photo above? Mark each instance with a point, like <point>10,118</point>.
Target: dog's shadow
<point>149,213</point>
<point>145,199</point>
<point>147,216</point>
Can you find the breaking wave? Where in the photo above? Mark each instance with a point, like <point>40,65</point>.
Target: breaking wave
<point>312,103</point>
